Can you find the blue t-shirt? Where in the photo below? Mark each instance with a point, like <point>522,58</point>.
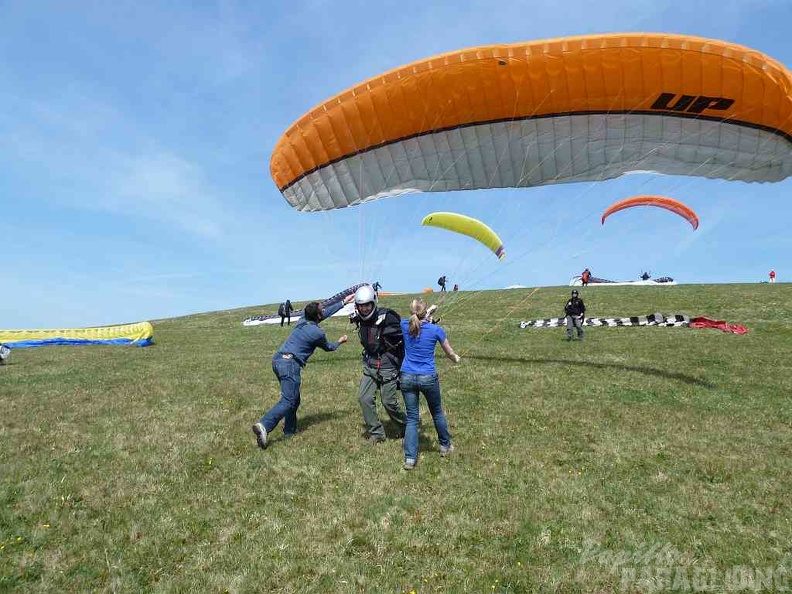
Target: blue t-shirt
<point>419,352</point>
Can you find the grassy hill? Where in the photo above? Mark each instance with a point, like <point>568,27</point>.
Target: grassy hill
<point>134,469</point>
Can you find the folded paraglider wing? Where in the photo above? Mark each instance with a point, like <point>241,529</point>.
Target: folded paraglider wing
<point>139,334</point>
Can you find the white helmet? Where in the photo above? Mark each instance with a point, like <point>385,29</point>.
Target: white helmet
<point>366,294</point>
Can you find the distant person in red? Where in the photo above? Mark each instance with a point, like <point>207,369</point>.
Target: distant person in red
<point>585,276</point>
<point>772,276</point>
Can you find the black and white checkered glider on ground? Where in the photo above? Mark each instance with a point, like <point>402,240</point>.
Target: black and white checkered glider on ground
<point>655,319</point>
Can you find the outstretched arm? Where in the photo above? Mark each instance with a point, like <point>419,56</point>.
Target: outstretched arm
<point>323,343</point>
<point>449,351</point>
<point>430,311</point>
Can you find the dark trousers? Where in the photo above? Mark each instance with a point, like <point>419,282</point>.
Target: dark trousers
<point>573,322</point>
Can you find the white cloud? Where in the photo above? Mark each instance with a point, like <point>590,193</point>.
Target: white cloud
<point>92,158</point>
<point>166,188</point>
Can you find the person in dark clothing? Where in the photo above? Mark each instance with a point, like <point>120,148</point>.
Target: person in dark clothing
<point>376,286</point>
<point>287,364</point>
<point>645,276</point>
<point>284,311</point>
<point>380,335</point>
<point>574,310</point>
<point>442,282</point>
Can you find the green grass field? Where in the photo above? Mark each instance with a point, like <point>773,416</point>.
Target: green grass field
<point>134,469</point>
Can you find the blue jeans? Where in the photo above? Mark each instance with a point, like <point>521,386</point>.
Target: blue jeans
<point>429,385</point>
<point>288,373</point>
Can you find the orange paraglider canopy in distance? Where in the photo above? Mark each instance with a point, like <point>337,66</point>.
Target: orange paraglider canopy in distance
<point>661,201</point>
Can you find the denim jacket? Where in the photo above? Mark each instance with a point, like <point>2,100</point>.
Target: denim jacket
<point>307,336</point>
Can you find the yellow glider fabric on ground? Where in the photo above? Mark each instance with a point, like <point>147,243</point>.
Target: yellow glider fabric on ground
<point>467,226</point>
<point>572,109</point>
<point>139,334</point>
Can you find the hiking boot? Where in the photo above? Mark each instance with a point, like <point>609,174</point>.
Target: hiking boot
<point>409,464</point>
<point>445,450</point>
<point>374,440</point>
<point>261,435</point>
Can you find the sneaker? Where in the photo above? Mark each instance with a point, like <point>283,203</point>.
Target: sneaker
<point>374,440</point>
<point>261,435</point>
<point>409,464</point>
<point>445,450</point>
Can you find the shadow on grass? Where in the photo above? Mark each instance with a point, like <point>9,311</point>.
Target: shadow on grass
<point>306,422</point>
<point>670,375</point>
<point>334,359</point>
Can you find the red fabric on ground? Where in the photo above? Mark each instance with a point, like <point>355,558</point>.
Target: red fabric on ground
<point>720,325</point>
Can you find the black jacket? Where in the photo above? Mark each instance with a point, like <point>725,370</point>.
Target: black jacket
<point>382,339</point>
<point>575,307</point>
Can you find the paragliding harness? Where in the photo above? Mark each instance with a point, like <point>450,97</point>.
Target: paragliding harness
<point>575,307</point>
<point>382,339</point>
<point>4,352</point>
<point>282,309</point>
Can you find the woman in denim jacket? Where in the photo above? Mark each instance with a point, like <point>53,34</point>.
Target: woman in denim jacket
<point>419,376</point>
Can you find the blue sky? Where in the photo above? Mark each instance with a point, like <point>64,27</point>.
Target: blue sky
<point>136,136</point>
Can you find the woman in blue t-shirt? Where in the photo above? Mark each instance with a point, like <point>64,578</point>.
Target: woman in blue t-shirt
<point>419,375</point>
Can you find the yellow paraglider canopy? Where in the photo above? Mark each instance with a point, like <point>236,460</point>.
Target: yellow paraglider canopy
<point>466,226</point>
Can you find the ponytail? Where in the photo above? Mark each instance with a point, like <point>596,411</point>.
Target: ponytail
<point>418,313</point>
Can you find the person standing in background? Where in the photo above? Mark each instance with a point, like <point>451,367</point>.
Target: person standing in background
<point>284,311</point>
<point>574,310</point>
